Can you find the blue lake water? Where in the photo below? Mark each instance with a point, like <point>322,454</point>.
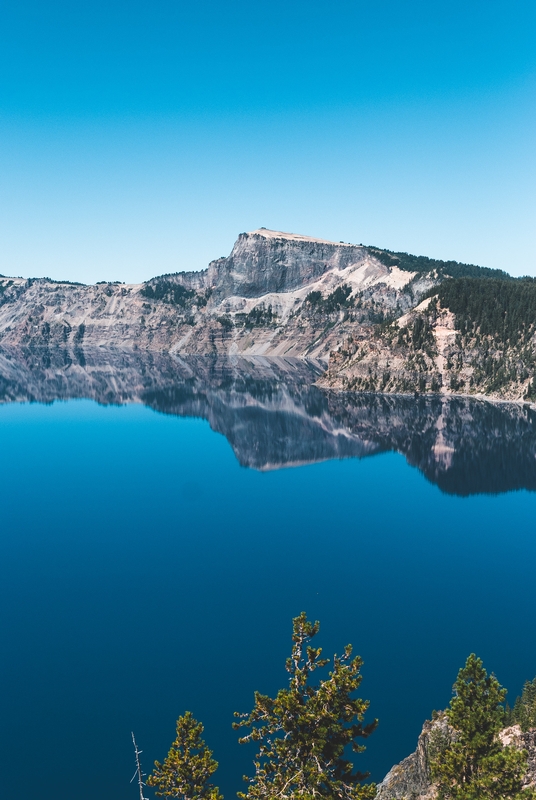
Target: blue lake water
<point>145,571</point>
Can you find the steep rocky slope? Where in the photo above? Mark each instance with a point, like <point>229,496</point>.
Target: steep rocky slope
<point>275,294</point>
<point>473,336</point>
<point>410,780</point>
<point>382,320</point>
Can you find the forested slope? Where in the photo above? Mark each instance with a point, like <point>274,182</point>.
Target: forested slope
<point>470,335</point>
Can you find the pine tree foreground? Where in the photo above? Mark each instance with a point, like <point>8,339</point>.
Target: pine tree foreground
<point>304,731</point>
<point>188,766</point>
<point>476,766</point>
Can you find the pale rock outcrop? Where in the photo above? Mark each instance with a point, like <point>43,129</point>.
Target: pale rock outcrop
<point>280,295</point>
<point>411,779</point>
<point>264,262</point>
<point>253,302</point>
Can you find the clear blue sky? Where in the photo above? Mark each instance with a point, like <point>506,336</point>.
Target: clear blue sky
<point>141,137</point>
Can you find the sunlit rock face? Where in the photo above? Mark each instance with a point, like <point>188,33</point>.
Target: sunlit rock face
<point>262,262</point>
<point>372,321</point>
<point>411,779</point>
<point>274,416</point>
<point>253,302</point>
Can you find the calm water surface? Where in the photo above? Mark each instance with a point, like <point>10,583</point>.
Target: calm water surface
<point>144,571</point>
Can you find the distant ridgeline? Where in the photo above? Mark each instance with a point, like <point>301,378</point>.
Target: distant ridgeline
<point>382,321</point>
<point>423,265</point>
<point>504,310</point>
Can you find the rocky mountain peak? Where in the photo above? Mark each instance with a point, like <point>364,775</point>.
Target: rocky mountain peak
<point>265,261</point>
<point>295,237</point>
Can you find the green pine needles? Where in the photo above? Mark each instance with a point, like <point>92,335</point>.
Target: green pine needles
<point>303,733</point>
<point>306,734</point>
<point>475,765</point>
<point>524,711</point>
<point>188,767</point>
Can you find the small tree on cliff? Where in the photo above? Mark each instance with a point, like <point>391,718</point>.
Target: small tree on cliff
<point>188,766</point>
<point>524,711</point>
<point>304,731</point>
<point>476,765</point>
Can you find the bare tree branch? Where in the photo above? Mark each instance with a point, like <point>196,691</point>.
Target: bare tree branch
<point>139,774</point>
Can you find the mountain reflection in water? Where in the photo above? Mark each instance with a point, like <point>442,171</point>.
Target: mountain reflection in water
<point>273,416</point>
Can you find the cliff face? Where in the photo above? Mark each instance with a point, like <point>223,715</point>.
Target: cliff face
<point>411,780</point>
<point>473,337</point>
<point>265,262</point>
<point>283,295</point>
<point>253,302</point>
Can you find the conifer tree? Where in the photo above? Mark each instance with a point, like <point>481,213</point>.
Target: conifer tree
<point>475,764</point>
<point>524,711</point>
<point>303,733</point>
<point>188,766</point>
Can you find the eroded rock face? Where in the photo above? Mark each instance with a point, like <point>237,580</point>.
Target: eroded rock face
<point>411,779</point>
<point>261,263</point>
<point>424,351</point>
<point>523,741</point>
<point>252,302</point>
<point>280,295</point>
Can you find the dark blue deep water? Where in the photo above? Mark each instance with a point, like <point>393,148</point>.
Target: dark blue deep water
<point>144,571</point>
